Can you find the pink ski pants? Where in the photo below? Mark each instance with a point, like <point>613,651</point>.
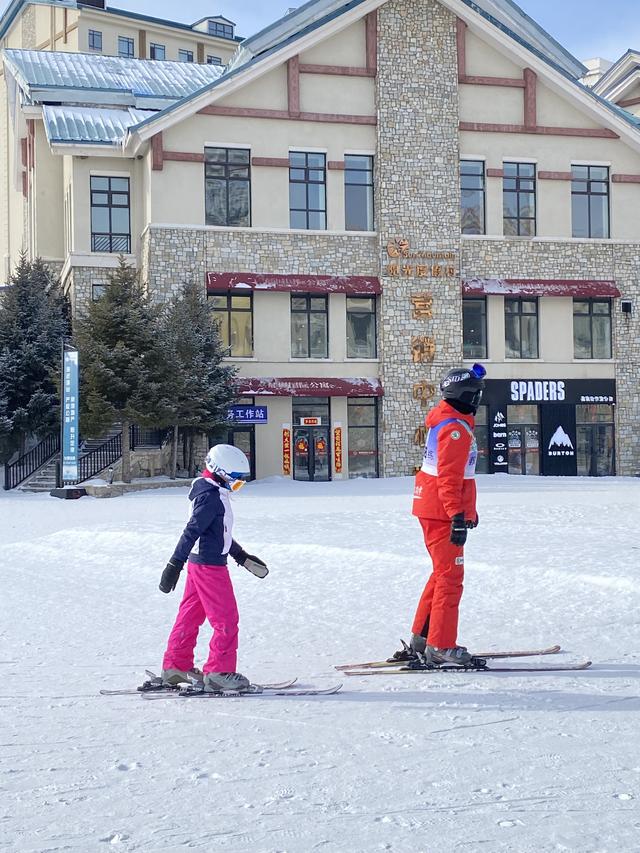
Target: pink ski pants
<point>208,594</point>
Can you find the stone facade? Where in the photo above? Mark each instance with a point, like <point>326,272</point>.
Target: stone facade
<point>574,259</point>
<point>417,201</point>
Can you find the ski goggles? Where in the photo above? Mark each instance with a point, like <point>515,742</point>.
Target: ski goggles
<point>233,480</point>
<point>478,371</point>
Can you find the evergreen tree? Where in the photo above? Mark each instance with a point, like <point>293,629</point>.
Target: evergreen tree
<point>202,388</point>
<point>33,323</point>
<point>123,368</point>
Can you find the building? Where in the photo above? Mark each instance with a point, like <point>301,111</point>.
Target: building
<point>371,192</point>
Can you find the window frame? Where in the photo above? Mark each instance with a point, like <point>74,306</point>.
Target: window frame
<point>110,235</point>
<point>130,43</point>
<point>93,38</point>
<point>374,314</point>
<point>214,60</point>
<point>591,301</point>
<point>227,165</point>
<point>153,48</point>
<point>220,30</point>
<point>375,405</point>
<point>229,311</point>
<point>308,311</point>
<point>589,193</point>
<point>482,190</point>
<point>518,191</point>
<point>369,183</point>
<point>466,300</point>
<point>520,314</point>
<point>306,182</point>
<point>189,53</point>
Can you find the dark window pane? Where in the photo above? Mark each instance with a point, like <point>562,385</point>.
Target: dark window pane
<point>512,336</point>
<point>580,307</point>
<point>215,155</point>
<point>216,202</point>
<point>579,216</point>
<point>100,220</point>
<point>227,187</point>
<point>316,197</point>
<point>529,337</point>
<point>316,161</point>
<point>238,200</point>
<point>318,335</point>
<point>317,221</point>
<point>601,336</point>
<point>318,303</point>
<point>120,220</point>
<point>99,183</point>
<point>239,155</point>
<point>298,219</point>
<point>297,158</point>
<point>299,335</point>
<point>474,328</point>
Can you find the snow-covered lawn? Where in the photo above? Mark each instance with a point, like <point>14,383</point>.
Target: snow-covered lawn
<point>460,762</point>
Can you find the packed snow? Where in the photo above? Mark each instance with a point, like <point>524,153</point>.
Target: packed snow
<point>429,762</point>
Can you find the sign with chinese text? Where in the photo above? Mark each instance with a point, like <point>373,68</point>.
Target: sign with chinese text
<point>418,264</point>
<point>286,450</point>
<point>248,414</point>
<point>423,349</point>
<point>337,448</point>
<point>310,421</point>
<point>70,415</point>
<point>422,306</point>
<point>424,392</point>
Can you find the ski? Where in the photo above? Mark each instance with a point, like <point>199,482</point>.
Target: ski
<point>154,685</point>
<point>383,664</point>
<point>190,693</point>
<point>405,670</point>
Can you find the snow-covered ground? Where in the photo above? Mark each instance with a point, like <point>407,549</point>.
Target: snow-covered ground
<point>460,762</point>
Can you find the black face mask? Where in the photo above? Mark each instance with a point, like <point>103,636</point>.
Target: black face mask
<point>463,408</point>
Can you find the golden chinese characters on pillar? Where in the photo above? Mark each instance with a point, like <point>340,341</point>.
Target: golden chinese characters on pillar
<point>423,349</point>
<point>424,392</point>
<point>420,436</point>
<point>422,306</point>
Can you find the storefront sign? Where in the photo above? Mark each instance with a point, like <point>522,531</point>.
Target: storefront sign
<point>430,264</point>
<point>559,441</point>
<point>70,415</point>
<point>286,450</point>
<point>540,391</point>
<point>337,448</point>
<point>310,421</point>
<point>296,386</point>
<point>352,285</point>
<point>499,440</point>
<point>248,414</point>
<point>502,392</point>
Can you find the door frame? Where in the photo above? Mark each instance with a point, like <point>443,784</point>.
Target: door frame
<point>252,444</point>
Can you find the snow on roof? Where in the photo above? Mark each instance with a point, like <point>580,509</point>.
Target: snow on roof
<point>89,125</point>
<point>51,76</point>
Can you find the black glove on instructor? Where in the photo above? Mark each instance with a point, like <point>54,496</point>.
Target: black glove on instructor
<point>458,530</point>
<point>170,575</point>
<point>252,564</point>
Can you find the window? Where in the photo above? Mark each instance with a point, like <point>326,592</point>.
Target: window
<point>227,178</point>
<point>362,418</point>
<point>125,47</point>
<point>110,215</point>
<point>185,56</point>
<point>361,327</point>
<point>523,439</point>
<point>307,190</point>
<point>472,189</point>
<point>235,319</point>
<point>358,192</point>
<point>224,31</point>
<point>592,328</point>
<point>214,60</point>
<point>519,199</point>
<point>474,328</point>
<point>595,441</point>
<point>521,327</point>
<point>309,326</point>
<point>157,51</point>
<point>590,201</point>
<point>95,40</point>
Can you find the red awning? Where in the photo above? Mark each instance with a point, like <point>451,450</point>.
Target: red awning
<point>538,287</point>
<point>296,386</point>
<point>353,285</point>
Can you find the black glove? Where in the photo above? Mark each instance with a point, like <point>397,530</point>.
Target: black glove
<point>252,564</point>
<point>473,524</point>
<point>170,575</point>
<point>458,530</point>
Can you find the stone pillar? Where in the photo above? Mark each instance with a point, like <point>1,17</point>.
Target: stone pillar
<point>418,201</point>
<point>626,342</point>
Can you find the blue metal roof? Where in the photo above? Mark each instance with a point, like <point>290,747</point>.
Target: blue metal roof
<point>89,125</point>
<point>70,77</point>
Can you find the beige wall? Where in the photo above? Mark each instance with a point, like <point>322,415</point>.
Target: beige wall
<point>48,200</point>
<point>269,436</point>
<point>348,47</point>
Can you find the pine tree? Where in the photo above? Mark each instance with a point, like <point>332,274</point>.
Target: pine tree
<point>202,387</point>
<point>123,368</point>
<point>33,322</point>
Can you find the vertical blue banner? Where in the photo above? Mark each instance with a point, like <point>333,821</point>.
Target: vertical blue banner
<point>70,415</point>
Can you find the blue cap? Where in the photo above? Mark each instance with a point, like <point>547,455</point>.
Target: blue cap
<point>478,371</point>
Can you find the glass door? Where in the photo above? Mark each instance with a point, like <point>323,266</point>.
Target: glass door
<point>595,436</point>
<point>311,459</point>
<point>244,439</point>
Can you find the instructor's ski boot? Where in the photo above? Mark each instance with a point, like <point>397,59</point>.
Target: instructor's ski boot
<point>222,682</point>
<point>174,677</point>
<point>457,656</point>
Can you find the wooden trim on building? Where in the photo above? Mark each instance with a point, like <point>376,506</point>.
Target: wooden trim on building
<point>629,102</point>
<point>293,86</point>
<point>495,173</point>
<point>588,132</point>
<point>625,179</point>
<point>157,153</point>
<point>337,165</point>
<point>65,24</point>
<point>251,112</point>
<point>371,36</point>
<point>276,162</point>
<point>142,44</point>
<point>25,185</point>
<point>337,70</point>
<point>200,53</point>
<point>461,37</point>
<point>554,176</point>
<point>506,82</point>
<point>24,156</point>
<point>183,156</point>
<point>530,95</point>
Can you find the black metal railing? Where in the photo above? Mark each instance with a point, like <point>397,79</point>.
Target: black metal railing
<point>146,437</point>
<point>27,464</point>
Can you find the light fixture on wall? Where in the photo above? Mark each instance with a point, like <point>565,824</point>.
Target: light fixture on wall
<point>626,306</point>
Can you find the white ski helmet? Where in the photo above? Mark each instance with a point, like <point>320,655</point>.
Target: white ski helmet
<point>229,464</point>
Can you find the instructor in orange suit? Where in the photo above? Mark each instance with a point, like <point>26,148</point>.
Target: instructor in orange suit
<point>445,505</point>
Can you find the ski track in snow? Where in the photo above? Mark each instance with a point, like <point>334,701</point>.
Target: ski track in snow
<point>465,763</point>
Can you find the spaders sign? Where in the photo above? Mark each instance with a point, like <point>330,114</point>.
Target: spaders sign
<point>286,450</point>
<point>337,448</point>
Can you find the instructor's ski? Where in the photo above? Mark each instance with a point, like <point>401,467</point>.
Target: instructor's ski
<point>155,685</point>
<point>406,670</point>
<point>384,664</point>
<point>257,690</point>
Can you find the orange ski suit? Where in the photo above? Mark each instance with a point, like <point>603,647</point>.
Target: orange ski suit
<point>444,487</point>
